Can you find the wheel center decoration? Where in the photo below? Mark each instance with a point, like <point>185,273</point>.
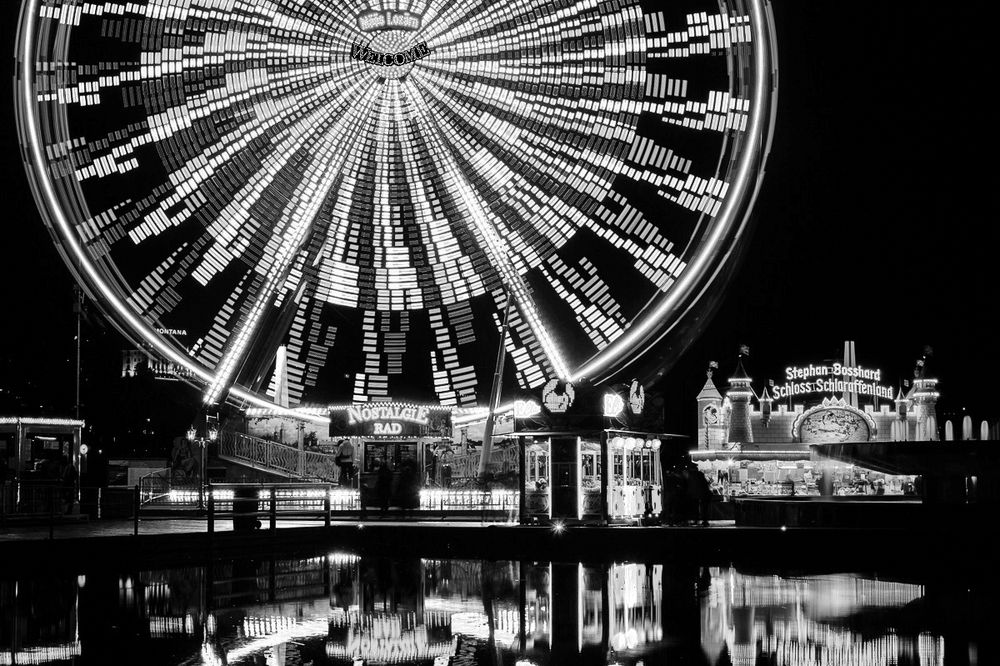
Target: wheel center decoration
<point>365,183</point>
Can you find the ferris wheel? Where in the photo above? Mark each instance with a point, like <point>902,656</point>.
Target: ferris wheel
<point>367,185</point>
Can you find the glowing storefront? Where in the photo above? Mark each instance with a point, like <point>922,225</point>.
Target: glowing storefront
<point>632,491</point>
<point>545,462</point>
<point>754,442</point>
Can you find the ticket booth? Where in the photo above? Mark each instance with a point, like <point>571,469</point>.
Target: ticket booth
<point>565,476</point>
<point>399,437</point>
<point>636,482</point>
<point>591,476</point>
<point>34,452</point>
<point>537,476</point>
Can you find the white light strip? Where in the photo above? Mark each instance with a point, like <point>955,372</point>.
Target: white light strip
<point>300,218</point>
<point>31,421</point>
<point>42,180</point>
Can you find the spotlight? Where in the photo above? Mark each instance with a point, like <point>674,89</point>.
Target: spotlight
<point>613,405</point>
<point>525,409</point>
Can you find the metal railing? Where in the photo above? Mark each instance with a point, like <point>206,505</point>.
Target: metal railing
<point>320,466</point>
<point>49,502</point>
<point>465,466</point>
<point>160,489</point>
<point>433,499</point>
<point>250,505</point>
<point>37,499</point>
<point>276,458</point>
<point>154,486</point>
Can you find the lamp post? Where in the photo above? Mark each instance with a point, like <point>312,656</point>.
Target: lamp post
<point>192,437</point>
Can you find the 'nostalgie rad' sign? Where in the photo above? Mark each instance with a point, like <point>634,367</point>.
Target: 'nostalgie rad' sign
<point>390,420</point>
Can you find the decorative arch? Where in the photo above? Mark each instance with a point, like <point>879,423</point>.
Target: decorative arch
<point>833,420</point>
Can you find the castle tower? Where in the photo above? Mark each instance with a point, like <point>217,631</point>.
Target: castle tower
<point>923,399</point>
<point>711,418</point>
<point>900,428</point>
<point>925,396</point>
<point>765,407</point>
<point>739,396</point>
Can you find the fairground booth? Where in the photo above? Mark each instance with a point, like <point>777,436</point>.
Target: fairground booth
<point>407,439</point>
<point>34,455</point>
<point>545,460</point>
<point>589,455</point>
<point>761,440</point>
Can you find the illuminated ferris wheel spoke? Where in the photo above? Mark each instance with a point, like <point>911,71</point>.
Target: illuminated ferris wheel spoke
<point>331,152</point>
<point>655,261</point>
<point>486,230</point>
<point>496,157</point>
<point>231,228</point>
<point>203,166</point>
<point>703,34</point>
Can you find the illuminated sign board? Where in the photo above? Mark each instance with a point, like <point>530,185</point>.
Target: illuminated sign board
<point>390,419</point>
<point>373,20</point>
<point>836,378</point>
<point>365,54</point>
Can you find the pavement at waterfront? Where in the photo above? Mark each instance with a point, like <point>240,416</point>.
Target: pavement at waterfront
<point>120,528</point>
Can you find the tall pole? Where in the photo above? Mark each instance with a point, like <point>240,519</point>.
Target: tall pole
<point>484,459</point>
<point>78,310</point>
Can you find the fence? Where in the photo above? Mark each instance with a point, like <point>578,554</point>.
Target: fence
<point>469,500</point>
<point>34,499</point>
<point>243,503</point>
<point>276,458</point>
<point>502,461</point>
<point>37,502</point>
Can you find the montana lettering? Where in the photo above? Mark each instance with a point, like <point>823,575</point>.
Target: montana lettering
<point>365,54</point>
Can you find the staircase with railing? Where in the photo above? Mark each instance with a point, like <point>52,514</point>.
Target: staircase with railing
<point>275,458</point>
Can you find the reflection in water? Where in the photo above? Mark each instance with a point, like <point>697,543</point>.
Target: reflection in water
<point>816,620</point>
<point>343,609</point>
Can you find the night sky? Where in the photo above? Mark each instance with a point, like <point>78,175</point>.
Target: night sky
<point>871,226</point>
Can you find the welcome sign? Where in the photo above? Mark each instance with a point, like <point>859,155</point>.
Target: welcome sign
<point>365,54</point>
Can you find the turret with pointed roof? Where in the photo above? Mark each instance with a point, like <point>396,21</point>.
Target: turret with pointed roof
<point>739,396</point>
<point>925,397</point>
<point>765,407</point>
<point>711,418</point>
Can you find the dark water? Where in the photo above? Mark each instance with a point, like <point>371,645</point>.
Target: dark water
<point>339,608</point>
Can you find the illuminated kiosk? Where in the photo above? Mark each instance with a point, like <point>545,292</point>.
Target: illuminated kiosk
<point>546,462</point>
<point>32,450</point>
<point>564,477</point>
<point>761,443</point>
<point>570,439</point>
<point>392,225</point>
<point>401,435</point>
